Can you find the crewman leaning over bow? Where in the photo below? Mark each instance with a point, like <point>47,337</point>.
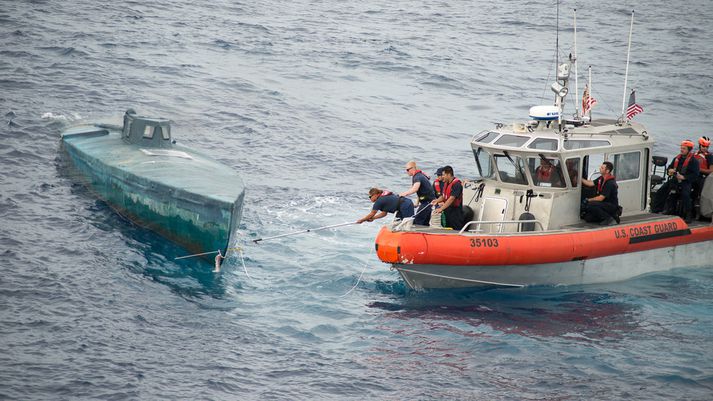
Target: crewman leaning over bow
<point>386,202</point>
<point>683,173</point>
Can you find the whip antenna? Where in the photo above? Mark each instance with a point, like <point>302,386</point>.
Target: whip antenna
<point>626,73</point>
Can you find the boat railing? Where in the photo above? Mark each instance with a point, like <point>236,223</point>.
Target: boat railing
<point>500,229</point>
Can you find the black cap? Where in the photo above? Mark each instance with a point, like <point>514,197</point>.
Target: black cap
<point>439,172</point>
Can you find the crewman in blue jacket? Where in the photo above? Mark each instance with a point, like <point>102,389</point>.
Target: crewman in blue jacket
<point>386,202</point>
<point>421,185</point>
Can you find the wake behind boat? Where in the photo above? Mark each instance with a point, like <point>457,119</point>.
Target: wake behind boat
<point>175,191</point>
<point>527,227</point>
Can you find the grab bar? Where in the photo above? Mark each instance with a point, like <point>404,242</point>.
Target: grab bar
<point>537,222</point>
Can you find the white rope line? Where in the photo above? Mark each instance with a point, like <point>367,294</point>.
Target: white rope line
<point>405,219</point>
<point>196,254</point>
<point>459,278</point>
<point>240,251</point>
<point>220,257</point>
<point>360,276</point>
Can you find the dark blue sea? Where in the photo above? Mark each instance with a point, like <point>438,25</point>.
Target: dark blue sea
<point>314,102</point>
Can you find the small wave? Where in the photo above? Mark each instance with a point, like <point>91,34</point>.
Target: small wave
<point>256,27</point>
<point>16,54</point>
<point>67,51</point>
<point>442,81</point>
<point>61,117</point>
<point>223,44</point>
<point>393,50</point>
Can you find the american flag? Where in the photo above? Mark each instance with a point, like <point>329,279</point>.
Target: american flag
<point>633,108</point>
<point>587,101</point>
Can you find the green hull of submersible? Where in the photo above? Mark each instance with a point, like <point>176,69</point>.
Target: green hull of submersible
<point>172,190</point>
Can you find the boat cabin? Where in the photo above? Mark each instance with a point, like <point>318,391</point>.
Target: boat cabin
<point>146,132</point>
<point>531,172</point>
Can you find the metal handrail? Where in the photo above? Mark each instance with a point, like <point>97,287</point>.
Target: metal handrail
<point>537,222</point>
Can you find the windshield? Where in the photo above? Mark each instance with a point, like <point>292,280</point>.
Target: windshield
<point>511,169</point>
<point>484,162</point>
<point>546,171</point>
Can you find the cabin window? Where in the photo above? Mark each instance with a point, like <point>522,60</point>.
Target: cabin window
<point>546,172</point>
<point>148,132</point>
<point>484,163</point>
<point>514,141</point>
<point>584,143</point>
<point>573,171</point>
<point>591,165</point>
<point>627,166</point>
<point>127,126</point>
<point>488,137</point>
<point>543,144</point>
<point>163,131</point>
<point>511,169</point>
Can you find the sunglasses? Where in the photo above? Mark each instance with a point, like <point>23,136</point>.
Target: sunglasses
<point>408,169</point>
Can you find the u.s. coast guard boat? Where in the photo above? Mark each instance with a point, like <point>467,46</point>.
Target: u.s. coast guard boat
<point>141,172</point>
<point>526,231</point>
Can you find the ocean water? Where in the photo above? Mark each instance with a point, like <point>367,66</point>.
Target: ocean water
<point>313,102</point>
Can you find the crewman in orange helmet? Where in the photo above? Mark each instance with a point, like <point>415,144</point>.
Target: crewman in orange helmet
<point>683,173</point>
<point>705,162</point>
<point>705,159</point>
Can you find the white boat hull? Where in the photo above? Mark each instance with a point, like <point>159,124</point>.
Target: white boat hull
<point>589,271</point>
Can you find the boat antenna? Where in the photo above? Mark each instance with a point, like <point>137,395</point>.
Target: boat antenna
<point>576,75</point>
<point>626,73</point>
<point>557,39</point>
<point>558,99</point>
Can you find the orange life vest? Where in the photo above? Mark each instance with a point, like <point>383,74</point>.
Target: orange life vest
<point>419,171</point>
<point>544,174</point>
<point>437,187</point>
<point>447,193</point>
<point>685,162</point>
<point>702,161</point>
<point>603,181</point>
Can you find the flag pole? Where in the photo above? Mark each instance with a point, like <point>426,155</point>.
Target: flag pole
<point>626,74</point>
<point>589,85</point>
<point>576,75</point>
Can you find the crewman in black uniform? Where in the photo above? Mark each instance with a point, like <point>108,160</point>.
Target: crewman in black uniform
<point>602,208</point>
